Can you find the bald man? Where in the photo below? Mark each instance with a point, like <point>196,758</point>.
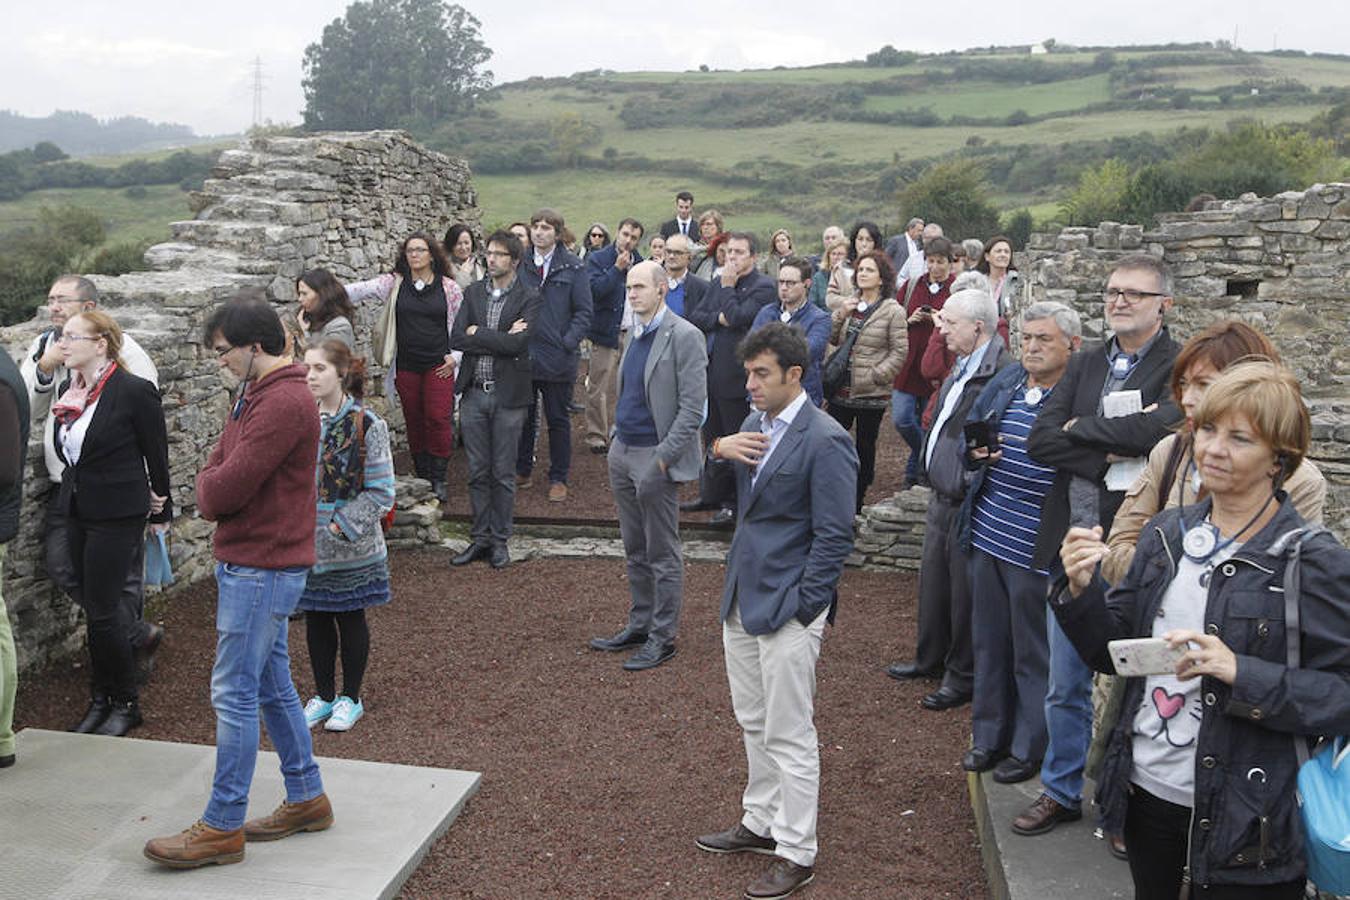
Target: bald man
<point>662,390</point>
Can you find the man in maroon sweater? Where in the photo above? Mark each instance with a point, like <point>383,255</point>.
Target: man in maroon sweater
<point>258,487</point>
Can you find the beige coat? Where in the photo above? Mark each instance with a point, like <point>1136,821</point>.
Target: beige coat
<point>879,351</point>
<point>1306,487</point>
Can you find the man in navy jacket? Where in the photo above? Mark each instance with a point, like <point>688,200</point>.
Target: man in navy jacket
<point>606,269</point>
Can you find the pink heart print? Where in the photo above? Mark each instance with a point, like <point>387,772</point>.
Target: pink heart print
<point>1168,705</point>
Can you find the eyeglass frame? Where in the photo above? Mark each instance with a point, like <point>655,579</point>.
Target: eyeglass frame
<point>1115,295</point>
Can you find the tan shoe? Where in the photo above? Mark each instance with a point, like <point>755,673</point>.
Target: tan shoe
<point>524,481</point>
<point>198,845</point>
<point>557,492</point>
<point>288,818</point>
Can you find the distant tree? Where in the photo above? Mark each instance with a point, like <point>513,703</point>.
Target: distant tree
<point>33,256</point>
<point>1018,227</point>
<point>954,195</point>
<point>890,58</point>
<point>391,63</point>
<point>46,151</point>
<point>1099,196</point>
<point>571,136</point>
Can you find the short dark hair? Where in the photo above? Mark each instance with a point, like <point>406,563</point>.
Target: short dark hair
<point>85,290</point>
<point>551,216</point>
<point>247,318</point>
<point>885,268</point>
<point>802,266</point>
<point>744,236</point>
<point>785,343</point>
<point>939,246</point>
<point>685,195</point>
<point>509,241</point>
<point>631,221</point>
<point>452,237</point>
<point>439,263</point>
<point>333,299</point>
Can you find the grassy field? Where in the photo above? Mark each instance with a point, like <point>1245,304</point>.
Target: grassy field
<point>125,218</point>
<point>988,99</point>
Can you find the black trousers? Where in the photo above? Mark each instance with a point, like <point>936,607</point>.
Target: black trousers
<point>101,552</point>
<point>327,633</point>
<point>869,427</point>
<point>944,599</point>
<point>717,484</point>
<point>557,399</point>
<point>1155,835</point>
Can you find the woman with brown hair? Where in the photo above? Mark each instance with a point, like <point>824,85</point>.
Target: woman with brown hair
<point>110,432</point>
<point>462,248</point>
<point>325,312</point>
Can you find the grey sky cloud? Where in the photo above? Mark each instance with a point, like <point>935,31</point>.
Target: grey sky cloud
<point>191,62</point>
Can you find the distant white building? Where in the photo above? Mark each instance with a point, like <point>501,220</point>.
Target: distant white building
<point>1038,50</point>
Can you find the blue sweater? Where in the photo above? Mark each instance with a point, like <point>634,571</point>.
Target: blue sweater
<point>632,419</point>
<point>814,324</point>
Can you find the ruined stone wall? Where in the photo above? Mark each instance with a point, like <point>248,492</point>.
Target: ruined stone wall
<point>272,208</point>
<point>1281,264</point>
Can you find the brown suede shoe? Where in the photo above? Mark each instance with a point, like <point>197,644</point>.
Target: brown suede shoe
<point>736,840</point>
<point>288,818</point>
<point>557,492</point>
<point>198,845</point>
<point>1043,815</point>
<point>782,878</point>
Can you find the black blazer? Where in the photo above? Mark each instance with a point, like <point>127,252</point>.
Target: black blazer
<point>126,438</point>
<point>511,367</point>
<point>672,226</point>
<point>740,304</point>
<point>1083,448</point>
<point>695,289</point>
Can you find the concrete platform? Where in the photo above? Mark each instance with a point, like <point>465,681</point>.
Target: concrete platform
<point>77,809</point>
<point>1068,863</point>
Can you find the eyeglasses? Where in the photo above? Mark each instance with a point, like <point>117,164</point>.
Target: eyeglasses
<point>787,282</point>
<point>221,351</point>
<point>411,250</point>
<point>66,338</point>
<point>1130,296</point>
<point>597,236</point>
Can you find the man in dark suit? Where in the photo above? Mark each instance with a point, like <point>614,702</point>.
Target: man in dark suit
<point>1076,435</point>
<point>493,330</point>
<point>900,247</point>
<point>684,290</point>
<point>796,473</point>
<point>662,389</point>
<point>725,315</point>
<point>683,223</point>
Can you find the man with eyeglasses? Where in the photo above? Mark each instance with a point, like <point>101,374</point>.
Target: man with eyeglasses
<point>1076,436</point>
<point>793,310</point>
<point>45,377</point>
<point>684,289</point>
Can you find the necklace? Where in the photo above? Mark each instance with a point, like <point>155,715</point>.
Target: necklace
<point>1201,542</point>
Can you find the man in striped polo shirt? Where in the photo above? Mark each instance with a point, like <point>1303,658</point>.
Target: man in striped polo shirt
<point>998,526</point>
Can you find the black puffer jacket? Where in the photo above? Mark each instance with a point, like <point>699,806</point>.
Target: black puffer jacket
<point>1245,828</point>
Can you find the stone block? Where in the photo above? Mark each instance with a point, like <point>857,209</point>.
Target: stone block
<point>1292,226</point>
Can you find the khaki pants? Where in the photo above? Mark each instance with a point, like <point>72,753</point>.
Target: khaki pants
<point>601,380</point>
<point>9,670</point>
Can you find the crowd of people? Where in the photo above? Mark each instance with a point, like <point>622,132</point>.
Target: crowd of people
<point>1080,493</point>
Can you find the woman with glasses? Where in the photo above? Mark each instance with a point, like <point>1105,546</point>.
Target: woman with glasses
<point>109,433</point>
<point>412,341</point>
<point>597,238</point>
<point>463,249</point>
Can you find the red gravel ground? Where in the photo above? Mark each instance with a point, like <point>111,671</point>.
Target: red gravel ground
<point>596,780</point>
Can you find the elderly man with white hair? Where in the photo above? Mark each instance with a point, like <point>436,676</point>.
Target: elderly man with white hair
<point>968,322</point>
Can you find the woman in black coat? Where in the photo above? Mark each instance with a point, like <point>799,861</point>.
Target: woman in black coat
<point>109,432</point>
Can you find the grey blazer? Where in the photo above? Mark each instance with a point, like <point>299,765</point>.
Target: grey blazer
<point>675,382</point>
<point>795,526</point>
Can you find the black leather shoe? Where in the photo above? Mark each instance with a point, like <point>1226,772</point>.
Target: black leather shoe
<point>1014,771</point>
<point>945,698</point>
<point>723,518</point>
<point>6,761</point>
<point>122,718</point>
<point>977,759</point>
<point>624,640</point>
<point>782,878</point>
<point>145,654</point>
<point>471,553</point>
<point>697,506</point>
<point>736,840</point>
<point>98,710</point>
<point>652,654</point>
<point>500,558</point>
<point>908,671</point>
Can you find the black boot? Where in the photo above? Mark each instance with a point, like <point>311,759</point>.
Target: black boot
<point>123,717</point>
<point>94,716</point>
<point>422,466</point>
<point>437,466</point>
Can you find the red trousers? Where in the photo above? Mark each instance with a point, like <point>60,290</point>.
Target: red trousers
<point>428,402</point>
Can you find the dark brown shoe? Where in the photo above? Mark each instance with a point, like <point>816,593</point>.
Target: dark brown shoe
<point>736,840</point>
<point>782,878</point>
<point>288,818</point>
<point>1115,843</point>
<point>1043,816</point>
<point>198,845</point>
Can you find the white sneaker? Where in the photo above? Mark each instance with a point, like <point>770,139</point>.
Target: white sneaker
<point>316,710</point>
<point>346,713</point>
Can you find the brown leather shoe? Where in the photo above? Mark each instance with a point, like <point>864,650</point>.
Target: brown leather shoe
<point>288,818</point>
<point>1043,815</point>
<point>523,482</point>
<point>557,492</point>
<point>782,878</point>
<point>736,840</point>
<point>198,845</point>
<point>1115,843</point>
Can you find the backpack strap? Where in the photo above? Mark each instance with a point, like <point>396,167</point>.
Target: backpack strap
<point>1292,588</point>
<point>360,448</point>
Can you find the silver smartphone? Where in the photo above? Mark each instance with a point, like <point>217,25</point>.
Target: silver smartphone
<point>1145,656</point>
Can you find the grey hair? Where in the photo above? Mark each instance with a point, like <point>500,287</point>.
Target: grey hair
<point>1142,262</point>
<point>1066,319</point>
<point>914,220</point>
<point>975,305</point>
<point>974,248</point>
<point>971,280</point>
<point>932,230</point>
<point>85,290</point>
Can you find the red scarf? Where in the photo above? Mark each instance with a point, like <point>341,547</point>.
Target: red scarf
<point>78,397</point>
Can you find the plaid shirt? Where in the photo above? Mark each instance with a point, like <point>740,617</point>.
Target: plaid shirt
<point>483,372</point>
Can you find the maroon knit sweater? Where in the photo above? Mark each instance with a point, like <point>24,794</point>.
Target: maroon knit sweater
<point>258,484</point>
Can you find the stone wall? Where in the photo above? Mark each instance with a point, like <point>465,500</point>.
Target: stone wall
<point>1281,264</point>
<point>272,208</point>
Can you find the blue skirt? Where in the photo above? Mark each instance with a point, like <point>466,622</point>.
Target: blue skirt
<point>346,590</point>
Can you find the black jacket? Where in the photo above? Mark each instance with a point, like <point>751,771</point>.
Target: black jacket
<point>949,475</point>
<point>1083,448</point>
<point>15,420</point>
<point>1245,829</point>
<point>672,226</point>
<point>511,368</point>
<point>695,291</point>
<point>740,303</point>
<point>564,315</point>
<point>126,438</point>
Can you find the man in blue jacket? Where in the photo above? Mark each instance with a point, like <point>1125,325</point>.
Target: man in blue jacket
<point>792,309</point>
<point>555,341</point>
<point>606,269</point>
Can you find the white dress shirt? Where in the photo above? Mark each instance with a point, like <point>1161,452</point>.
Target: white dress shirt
<point>775,427</point>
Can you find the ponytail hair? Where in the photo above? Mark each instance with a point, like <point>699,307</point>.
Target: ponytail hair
<point>352,369</point>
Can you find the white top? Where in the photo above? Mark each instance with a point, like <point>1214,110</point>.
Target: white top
<point>775,427</point>
<point>916,266</point>
<point>543,262</point>
<point>72,435</point>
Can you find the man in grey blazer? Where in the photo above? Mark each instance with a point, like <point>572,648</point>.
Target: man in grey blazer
<point>662,399</point>
<point>795,482</point>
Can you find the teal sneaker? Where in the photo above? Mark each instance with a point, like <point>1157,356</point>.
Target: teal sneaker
<point>316,710</point>
<point>346,713</point>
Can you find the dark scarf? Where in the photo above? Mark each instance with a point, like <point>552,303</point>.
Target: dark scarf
<point>339,468</point>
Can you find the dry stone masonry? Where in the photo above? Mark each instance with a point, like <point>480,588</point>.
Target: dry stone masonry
<point>272,208</point>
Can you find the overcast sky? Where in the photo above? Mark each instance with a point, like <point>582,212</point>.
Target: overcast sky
<point>192,62</point>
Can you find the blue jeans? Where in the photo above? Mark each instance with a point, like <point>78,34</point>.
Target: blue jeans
<point>1068,717</point>
<point>905,410</point>
<point>252,672</point>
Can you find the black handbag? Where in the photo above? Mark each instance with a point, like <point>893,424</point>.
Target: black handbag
<point>834,374</point>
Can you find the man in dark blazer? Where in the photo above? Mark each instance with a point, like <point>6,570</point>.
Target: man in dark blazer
<point>725,315</point>
<point>903,245</point>
<point>495,388</point>
<point>796,472</point>
<point>1073,434</point>
<point>662,391</point>
<point>683,223</point>
<point>684,290</point>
